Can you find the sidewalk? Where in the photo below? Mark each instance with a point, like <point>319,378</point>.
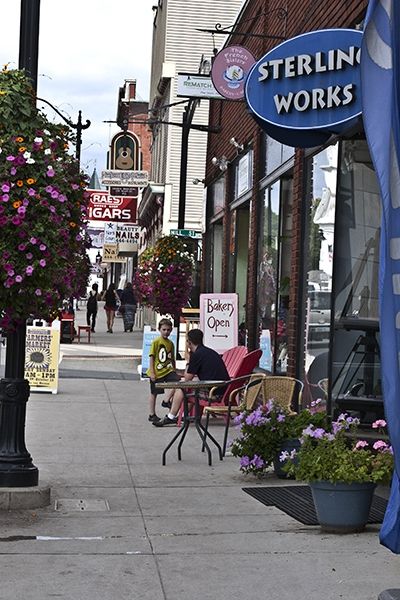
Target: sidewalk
<point>128,528</point>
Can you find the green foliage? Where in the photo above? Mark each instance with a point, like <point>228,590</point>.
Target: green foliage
<point>331,455</point>
<point>262,432</point>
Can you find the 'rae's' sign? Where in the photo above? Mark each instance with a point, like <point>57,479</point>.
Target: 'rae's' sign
<point>219,320</point>
<point>103,207</point>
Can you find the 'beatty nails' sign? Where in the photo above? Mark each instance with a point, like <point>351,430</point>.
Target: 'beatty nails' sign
<point>307,88</point>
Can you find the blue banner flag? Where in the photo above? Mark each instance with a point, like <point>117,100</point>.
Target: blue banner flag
<point>380,81</point>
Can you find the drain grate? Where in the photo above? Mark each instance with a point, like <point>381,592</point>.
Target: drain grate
<point>81,505</point>
<point>297,502</point>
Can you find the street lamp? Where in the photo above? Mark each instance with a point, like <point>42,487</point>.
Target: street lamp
<point>79,127</point>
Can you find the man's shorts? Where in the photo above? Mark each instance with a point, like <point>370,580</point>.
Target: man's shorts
<point>169,377</point>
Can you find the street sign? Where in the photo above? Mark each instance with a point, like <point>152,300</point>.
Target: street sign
<point>110,253</point>
<point>103,207</point>
<point>194,85</point>
<point>110,233</point>
<point>197,235</point>
<point>127,237</point>
<point>125,178</point>
<point>124,191</point>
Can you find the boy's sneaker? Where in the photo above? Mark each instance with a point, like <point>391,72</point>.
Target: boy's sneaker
<point>165,421</point>
<point>166,403</point>
<point>154,419</point>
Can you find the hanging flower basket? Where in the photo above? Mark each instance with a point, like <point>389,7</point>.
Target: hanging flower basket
<point>43,202</point>
<point>163,279</point>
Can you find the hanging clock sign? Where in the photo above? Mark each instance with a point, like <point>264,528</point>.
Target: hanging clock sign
<point>308,87</point>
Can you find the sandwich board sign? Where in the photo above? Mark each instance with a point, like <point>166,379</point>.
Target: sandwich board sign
<point>219,320</point>
<point>42,357</point>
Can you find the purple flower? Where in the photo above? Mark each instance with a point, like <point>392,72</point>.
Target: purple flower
<point>31,192</point>
<point>29,255</point>
<point>18,278</point>
<point>10,158</point>
<point>244,461</point>
<point>33,240</point>
<point>42,262</point>
<point>13,171</point>
<point>21,211</point>
<point>16,220</point>
<point>5,187</point>
<point>38,292</point>
<point>5,197</point>
<point>29,270</point>
<point>257,462</point>
<point>42,247</point>
<point>50,172</point>
<point>319,433</point>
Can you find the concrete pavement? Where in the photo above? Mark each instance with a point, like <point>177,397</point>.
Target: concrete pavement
<point>120,525</point>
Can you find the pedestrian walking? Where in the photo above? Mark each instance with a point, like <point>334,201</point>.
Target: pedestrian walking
<point>128,306</point>
<point>91,306</point>
<point>111,303</point>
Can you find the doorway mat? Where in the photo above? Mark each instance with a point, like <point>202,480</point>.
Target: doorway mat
<point>297,502</point>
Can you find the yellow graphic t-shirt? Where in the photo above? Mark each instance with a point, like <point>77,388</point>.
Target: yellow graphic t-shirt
<point>163,351</point>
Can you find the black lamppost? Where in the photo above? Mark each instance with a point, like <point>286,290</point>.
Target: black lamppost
<point>79,126</point>
<point>16,465</point>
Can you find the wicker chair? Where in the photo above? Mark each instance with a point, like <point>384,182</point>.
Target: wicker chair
<point>240,399</point>
<point>285,391</point>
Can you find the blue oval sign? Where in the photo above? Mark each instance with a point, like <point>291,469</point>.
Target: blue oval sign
<point>308,83</point>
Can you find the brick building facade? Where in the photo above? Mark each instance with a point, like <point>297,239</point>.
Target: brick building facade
<point>263,24</point>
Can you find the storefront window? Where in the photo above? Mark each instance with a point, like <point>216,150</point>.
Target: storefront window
<point>319,268</point>
<point>356,377</point>
<point>216,267</point>
<point>274,273</point>
<point>243,174</point>
<point>216,198</point>
<point>276,154</point>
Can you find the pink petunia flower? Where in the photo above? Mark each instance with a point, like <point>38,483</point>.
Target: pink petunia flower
<point>29,270</point>
<point>381,445</point>
<point>379,423</point>
<point>361,444</point>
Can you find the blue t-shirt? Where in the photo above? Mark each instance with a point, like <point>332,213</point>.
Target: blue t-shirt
<point>207,364</point>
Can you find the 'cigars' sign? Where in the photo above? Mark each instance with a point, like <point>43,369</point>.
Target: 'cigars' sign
<point>103,207</point>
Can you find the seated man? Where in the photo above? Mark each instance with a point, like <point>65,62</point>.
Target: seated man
<point>205,364</point>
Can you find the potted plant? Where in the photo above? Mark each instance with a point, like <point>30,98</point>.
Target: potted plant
<point>263,431</point>
<point>342,471</point>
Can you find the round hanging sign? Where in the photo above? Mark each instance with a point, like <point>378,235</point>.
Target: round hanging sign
<point>229,71</point>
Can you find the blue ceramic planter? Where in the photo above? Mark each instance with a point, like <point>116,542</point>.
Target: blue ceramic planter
<point>342,507</point>
<point>288,446</point>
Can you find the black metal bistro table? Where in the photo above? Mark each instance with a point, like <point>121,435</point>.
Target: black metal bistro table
<point>195,385</point>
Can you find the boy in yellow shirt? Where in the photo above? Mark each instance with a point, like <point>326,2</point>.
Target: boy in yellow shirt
<point>162,366</point>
